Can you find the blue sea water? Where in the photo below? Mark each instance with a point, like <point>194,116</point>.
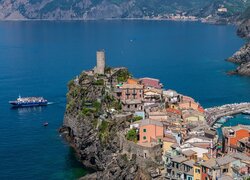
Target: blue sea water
<point>39,58</point>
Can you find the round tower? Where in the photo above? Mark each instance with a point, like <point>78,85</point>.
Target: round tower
<point>100,62</point>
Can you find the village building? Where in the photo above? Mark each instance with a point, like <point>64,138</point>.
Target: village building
<point>152,96</point>
<point>132,96</point>
<point>243,145</point>
<point>151,83</point>
<point>151,131</point>
<point>232,136</point>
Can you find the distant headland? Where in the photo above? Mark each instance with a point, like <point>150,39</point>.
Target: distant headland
<point>132,128</point>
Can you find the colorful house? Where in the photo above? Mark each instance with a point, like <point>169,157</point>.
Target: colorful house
<point>132,97</point>
<point>151,131</point>
<point>197,171</point>
<point>151,83</point>
<point>232,136</point>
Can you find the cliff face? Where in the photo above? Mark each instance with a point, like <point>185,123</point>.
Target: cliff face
<point>94,133</point>
<point>242,56</point>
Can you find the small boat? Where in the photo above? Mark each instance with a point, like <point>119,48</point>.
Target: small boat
<point>229,117</point>
<point>246,112</point>
<point>217,125</point>
<point>45,124</point>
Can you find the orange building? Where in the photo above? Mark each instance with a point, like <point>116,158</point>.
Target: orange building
<point>132,81</point>
<point>151,131</point>
<point>232,136</point>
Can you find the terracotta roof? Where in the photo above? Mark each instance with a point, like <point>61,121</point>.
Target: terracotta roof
<point>172,110</point>
<point>200,109</point>
<point>187,98</point>
<point>151,82</point>
<point>131,86</point>
<point>132,81</point>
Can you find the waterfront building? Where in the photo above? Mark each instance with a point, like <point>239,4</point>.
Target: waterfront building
<point>243,145</point>
<point>232,136</point>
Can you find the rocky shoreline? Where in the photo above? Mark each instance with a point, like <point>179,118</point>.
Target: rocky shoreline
<point>242,58</point>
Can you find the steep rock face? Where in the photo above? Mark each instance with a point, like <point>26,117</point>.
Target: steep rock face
<point>242,55</point>
<point>94,134</point>
<point>244,69</point>
<point>244,29</point>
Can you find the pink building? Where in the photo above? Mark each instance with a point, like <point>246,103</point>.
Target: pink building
<point>151,131</point>
<point>151,83</point>
<point>132,97</point>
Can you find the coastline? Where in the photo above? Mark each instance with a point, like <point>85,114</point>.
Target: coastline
<point>201,20</point>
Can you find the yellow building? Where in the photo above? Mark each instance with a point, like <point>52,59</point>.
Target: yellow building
<point>197,172</point>
<point>168,141</point>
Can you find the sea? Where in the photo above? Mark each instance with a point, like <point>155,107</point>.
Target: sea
<point>38,58</point>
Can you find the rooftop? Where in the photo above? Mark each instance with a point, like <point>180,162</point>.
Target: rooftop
<point>146,122</point>
<point>131,86</point>
<point>179,159</point>
<point>189,163</point>
<point>188,153</point>
<point>209,163</point>
<point>225,160</point>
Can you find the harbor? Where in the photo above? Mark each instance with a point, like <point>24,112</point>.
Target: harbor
<point>215,113</point>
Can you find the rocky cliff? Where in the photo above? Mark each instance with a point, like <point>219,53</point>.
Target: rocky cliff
<point>100,9</point>
<point>242,56</point>
<point>94,133</point>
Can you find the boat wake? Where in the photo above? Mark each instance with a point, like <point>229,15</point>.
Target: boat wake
<point>49,103</point>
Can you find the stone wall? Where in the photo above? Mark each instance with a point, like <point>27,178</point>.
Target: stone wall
<point>145,156</point>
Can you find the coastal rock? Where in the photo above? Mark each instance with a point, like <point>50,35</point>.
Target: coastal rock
<point>244,69</point>
<point>241,57</point>
<point>94,135</point>
<point>244,29</point>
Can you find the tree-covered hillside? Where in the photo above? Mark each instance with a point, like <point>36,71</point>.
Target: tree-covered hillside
<point>99,9</point>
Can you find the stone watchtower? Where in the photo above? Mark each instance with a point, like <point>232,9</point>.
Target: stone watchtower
<point>100,62</point>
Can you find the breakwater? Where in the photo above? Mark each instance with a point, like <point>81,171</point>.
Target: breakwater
<point>214,113</point>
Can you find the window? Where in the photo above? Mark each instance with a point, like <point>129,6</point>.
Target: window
<point>189,178</point>
<point>136,106</point>
<point>225,170</point>
<point>144,130</point>
<point>144,137</point>
<point>197,171</point>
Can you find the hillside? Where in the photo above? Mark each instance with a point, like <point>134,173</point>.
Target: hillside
<point>100,9</point>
